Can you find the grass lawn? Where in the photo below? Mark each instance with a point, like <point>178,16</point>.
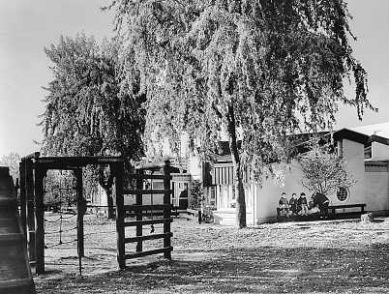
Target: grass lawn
<point>300,257</point>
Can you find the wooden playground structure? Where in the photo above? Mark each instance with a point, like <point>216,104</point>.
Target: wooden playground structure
<point>33,169</point>
<point>16,276</point>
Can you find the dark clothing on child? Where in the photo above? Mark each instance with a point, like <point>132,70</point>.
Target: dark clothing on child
<point>283,206</point>
<point>302,204</point>
<point>322,201</point>
<point>293,205</point>
<point>302,200</point>
<point>283,201</point>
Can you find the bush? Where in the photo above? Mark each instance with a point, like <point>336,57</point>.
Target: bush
<point>196,195</point>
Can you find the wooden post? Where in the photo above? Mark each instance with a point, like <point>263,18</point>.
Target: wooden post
<point>120,230</point>
<point>81,206</point>
<point>29,186</point>
<point>139,212</point>
<point>167,210</point>
<point>23,202</point>
<point>40,230</point>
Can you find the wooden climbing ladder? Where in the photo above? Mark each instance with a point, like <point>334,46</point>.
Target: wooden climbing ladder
<point>144,215</point>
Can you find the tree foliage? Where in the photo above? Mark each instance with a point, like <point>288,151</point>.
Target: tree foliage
<point>89,112</point>
<point>324,171</point>
<point>59,189</point>
<point>12,161</point>
<point>196,195</point>
<point>86,113</point>
<point>262,69</point>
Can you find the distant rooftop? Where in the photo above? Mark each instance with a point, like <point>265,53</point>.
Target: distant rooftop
<point>381,130</point>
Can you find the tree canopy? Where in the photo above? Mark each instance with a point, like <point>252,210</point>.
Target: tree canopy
<point>12,161</point>
<point>86,111</point>
<point>324,171</point>
<point>262,69</point>
<point>89,110</point>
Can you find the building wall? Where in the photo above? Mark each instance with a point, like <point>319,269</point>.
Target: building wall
<point>353,155</point>
<point>371,187</point>
<point>379,151</point>
<point>377,185</point>
<point>377,191</point>
<point>267,195</point>
<point>194,167</point>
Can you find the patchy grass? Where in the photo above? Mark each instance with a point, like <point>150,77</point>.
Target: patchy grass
<point>305,257</point>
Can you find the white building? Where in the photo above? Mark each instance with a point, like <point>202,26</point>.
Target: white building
<point>365,151</point>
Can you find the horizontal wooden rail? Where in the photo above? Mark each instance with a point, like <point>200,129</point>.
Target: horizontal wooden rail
<point>154,214</point>
<point>149,192</point>
<point>149,252</point>
<point>149,177</point>
<point>147,222</point>
<point>79,160</point>
<point>31,156</point>
<point>148,237</point>
<point>146,207</point>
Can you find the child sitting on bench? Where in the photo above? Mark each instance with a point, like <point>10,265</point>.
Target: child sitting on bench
<point>283,205</point>
<point>302,203</point>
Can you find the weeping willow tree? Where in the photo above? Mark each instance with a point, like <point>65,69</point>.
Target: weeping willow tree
<point>88,112</point>
<point>262,70</point>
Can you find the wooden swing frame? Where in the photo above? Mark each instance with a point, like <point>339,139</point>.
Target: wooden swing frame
<point>33,169</point>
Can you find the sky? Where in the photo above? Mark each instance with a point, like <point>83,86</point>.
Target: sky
<point>26,27</point>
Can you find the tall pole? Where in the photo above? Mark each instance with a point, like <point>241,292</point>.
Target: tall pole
<point>40,230</point>
<point>167,208</point>
<point>29,187</point>
<point>23,202</point>
<point>139,212</point>
<point>81,206</point>
<point>120,230</point>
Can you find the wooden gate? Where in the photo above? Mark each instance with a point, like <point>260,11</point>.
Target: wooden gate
<point>138,214</point>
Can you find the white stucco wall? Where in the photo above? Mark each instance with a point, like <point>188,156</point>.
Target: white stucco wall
<point>377,191</point>
<point>353,155</point>
<point>101,197</point>
<point>379,151</point>
<point>194,167</point>
<point>266,197</point>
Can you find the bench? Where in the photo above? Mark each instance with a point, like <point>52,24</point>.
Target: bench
<point>333,208</point>
<point>279,216</point>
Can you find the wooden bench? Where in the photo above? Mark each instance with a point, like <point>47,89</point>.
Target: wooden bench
<point>331,212</point>
<point>279,216</point>
<point>333,208</point>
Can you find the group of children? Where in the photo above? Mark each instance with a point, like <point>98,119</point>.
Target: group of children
<point>301,206</point>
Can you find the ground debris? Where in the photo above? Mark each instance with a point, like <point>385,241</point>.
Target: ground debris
<point>310,257</point>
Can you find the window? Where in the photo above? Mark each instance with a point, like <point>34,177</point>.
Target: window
<point>339,148</point>
<point>342,194</point>
<point>368,153</point>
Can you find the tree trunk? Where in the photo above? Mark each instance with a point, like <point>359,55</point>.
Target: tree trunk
<point>238,172</point>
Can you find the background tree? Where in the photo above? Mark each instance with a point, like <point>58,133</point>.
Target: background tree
<point>196,195</point>
<point>88,111</point>
<point>324,171</point>
<point>59,189</point>
<point>11,160</point>
<point>261,69</point>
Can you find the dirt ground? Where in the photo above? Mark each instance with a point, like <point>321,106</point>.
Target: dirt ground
<point>300,257</point>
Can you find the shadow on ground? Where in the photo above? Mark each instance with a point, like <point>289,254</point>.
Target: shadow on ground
<point>243,270</point>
